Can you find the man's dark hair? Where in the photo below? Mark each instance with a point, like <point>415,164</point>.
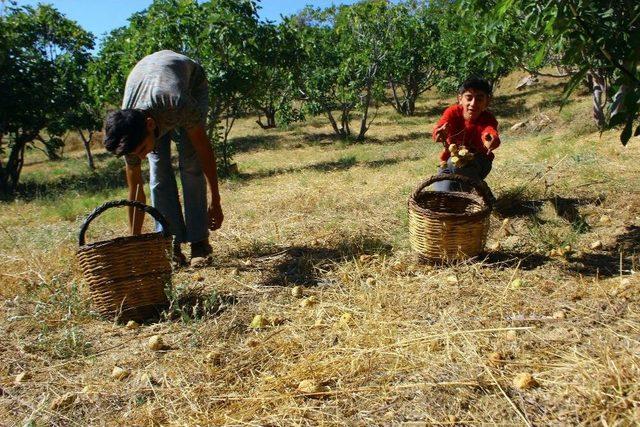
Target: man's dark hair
<point>477,84</point>
<point>124,130</point>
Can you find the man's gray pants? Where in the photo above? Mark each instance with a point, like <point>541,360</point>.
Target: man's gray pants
<point>193,226</point>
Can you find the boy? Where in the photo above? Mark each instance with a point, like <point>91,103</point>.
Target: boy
<point>165,97</point>
<point>467,127</point>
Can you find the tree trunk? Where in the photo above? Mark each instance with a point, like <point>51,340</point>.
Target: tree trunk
<point>49,149</point>
<point>598,85</point>
<point>412,95</point>
<point>346,129</point>
<point>411,106</point>
<point>270,114</point>
<point>365,115</point>
<point>87,148</point>
<point>334,125</point>
<point>10,173</point>
<point>396,101</point>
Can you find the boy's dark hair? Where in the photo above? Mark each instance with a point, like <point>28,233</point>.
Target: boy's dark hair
<point>477,84</point>
<point>124,130</point>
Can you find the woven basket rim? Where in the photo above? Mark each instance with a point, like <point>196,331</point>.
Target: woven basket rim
<point>122,240</point>
<point>484,208</point>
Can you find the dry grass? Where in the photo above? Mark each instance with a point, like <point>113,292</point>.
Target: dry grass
<point>418,344</point>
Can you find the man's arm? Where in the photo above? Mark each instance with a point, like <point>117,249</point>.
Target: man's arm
<point>136,192</point>
<point>198,137</point>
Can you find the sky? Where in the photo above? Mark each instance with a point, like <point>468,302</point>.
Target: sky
<point>102,16</point>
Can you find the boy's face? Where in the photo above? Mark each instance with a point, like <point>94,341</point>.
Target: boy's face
<point>473,102</point>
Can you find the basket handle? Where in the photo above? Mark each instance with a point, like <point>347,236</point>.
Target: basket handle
<point>480,186</point>
<point>117,203</point>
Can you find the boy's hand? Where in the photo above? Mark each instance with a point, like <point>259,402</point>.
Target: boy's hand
<point>489,142</point>
<point>441,133</point>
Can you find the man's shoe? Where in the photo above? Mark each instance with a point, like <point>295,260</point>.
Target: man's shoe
<point>177,258</point>
<point>200,253</point>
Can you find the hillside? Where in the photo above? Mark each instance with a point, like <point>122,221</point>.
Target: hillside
<point>387,340</point>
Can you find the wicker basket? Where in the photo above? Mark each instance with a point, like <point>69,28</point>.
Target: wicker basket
<point>127,275</point>
<point>449,226</point>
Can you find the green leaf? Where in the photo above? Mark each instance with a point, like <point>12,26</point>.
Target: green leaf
<point>607,14</point>
<point>573,83</point>
<point>503,6</point>
<point>626,132</point>
<point>539,56</point>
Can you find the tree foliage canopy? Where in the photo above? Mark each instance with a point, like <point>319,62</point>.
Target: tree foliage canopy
<point>43,63</point>
<point>341,62</point>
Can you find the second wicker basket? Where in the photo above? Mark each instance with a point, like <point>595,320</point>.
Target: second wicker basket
<point>449,226</point>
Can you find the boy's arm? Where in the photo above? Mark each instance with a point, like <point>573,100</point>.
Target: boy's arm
<point>490,136</point>
<point>440,130</point>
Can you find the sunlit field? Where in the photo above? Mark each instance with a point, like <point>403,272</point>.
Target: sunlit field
<point>354,330</point>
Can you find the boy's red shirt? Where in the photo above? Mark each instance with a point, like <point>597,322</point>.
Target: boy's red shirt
<point>466,132</point>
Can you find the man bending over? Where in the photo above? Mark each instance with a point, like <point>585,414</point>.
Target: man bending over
<point>166,98</point>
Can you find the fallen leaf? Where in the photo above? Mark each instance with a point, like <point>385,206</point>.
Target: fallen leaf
<point>308,302</point>
<point>524,381</point>
<point>63,402</point>
<point>596,245</point>
<point>495,359</point>
<point>560,314</point>
<point>311,386</point>
<point>213,357</point>
<point>22,377</point>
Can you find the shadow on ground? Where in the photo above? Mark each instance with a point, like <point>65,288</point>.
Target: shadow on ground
<point>255,142</point>
<point>191,303</point>
<point>515,204</point>
<point>302,265</point>
<point>341,164</point>
<point>511,259</point>
<point>326,138</point>
<point>332,138</point>
<point>622,256</point>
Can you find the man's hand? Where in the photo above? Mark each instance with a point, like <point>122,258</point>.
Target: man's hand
<point>216,217</point>
<point>442,133</point>
<point>136,193</point>
<point>207,158</point>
